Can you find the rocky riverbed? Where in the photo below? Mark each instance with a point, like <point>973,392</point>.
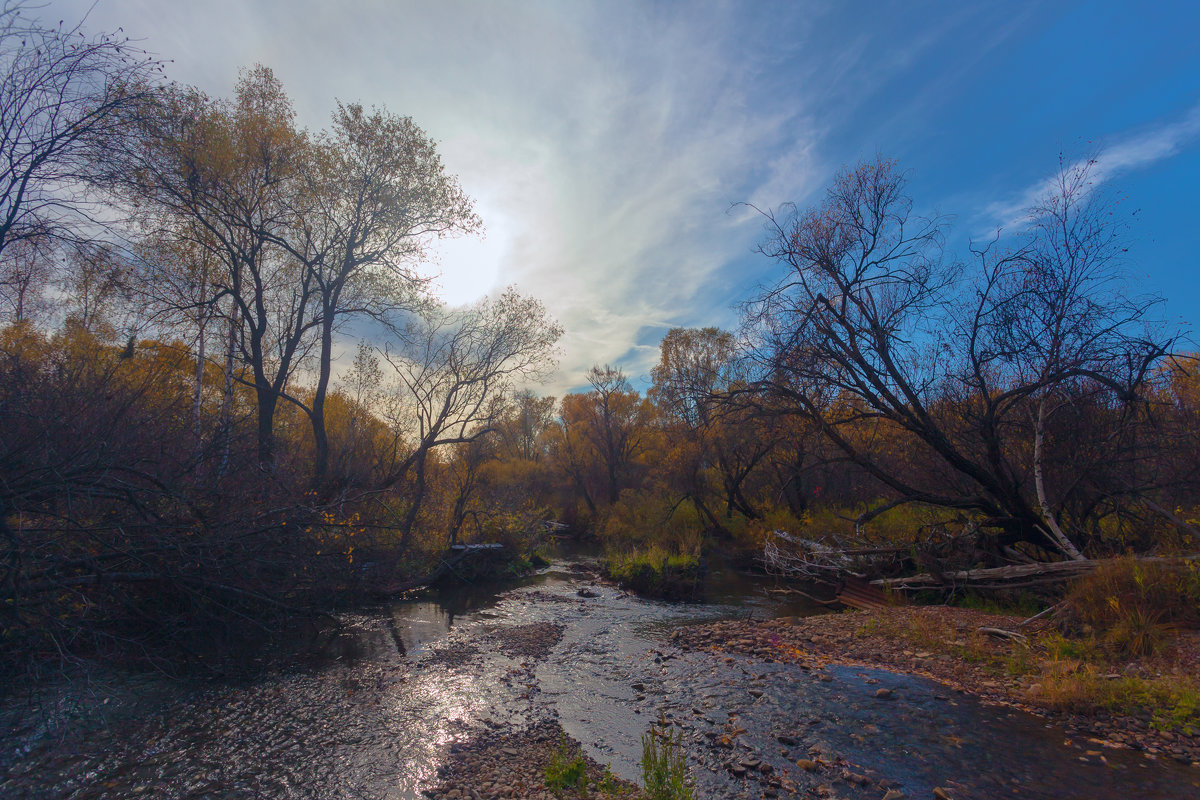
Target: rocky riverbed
<point>427,698</point>
<point>951,645</point>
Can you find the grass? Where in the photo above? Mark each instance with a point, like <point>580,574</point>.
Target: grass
<point>1172,702</point>
<point>664,768</point>
<point>1132,608</point>
<point>655,572</point>
<point>1124,668</point>
<point>566,770</point>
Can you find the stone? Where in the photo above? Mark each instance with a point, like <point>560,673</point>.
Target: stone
<point>941,794</point>
<point>786,740</point>
<point>807,765</point>
<point>894,794</point>
<point>884,694</point>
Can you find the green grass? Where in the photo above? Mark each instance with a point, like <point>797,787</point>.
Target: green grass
<point>1173,703</point>
<point>657,573</point>
<point>566,770</point>
<point>664,768</point>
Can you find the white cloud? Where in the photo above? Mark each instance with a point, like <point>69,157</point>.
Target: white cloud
<point>605,142</point>
<point>1136,151</point>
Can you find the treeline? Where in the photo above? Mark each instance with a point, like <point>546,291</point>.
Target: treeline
<point>885,399</point>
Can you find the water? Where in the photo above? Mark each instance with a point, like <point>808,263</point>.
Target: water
<point>400,685</point>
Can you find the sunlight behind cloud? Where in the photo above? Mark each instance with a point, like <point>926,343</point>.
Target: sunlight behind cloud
<point>469,267</point>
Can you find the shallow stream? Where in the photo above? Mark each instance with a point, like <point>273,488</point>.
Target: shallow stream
<point>396,689</point>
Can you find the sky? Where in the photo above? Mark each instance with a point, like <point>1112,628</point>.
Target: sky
<point>610,146</point>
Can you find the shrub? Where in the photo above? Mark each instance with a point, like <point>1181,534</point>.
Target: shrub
<point>1131,605</point>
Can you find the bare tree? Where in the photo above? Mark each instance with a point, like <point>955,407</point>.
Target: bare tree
<point>872,329</point>
<point>452,377</point>
<point>63,97</point>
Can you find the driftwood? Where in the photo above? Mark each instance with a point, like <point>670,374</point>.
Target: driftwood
<point>1015,576</point>
<point>1000,633</point>
<point>786,554</point>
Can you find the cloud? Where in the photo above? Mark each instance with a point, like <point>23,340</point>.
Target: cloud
<point>605,142</point>
<point>1134,152</point>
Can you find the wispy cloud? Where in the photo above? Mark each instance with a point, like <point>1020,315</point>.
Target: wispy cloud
<point>605,141</point>
<point>1133,152</point>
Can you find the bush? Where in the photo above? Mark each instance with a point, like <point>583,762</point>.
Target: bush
<point>1131,605</point>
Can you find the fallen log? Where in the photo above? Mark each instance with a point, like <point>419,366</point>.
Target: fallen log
<point>1014,576</point>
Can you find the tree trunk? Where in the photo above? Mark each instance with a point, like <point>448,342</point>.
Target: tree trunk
<point>1055,532</point>
<point>320,434</point>
<point>410,517</point>
<point>198,389</point>
<point>227,399</point>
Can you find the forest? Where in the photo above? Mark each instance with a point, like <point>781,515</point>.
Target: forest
<point>230,396</point>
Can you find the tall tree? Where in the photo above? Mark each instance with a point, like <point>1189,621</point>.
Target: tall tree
<point>229,170</point>
<point>375,194</point>
<point>871,326</point>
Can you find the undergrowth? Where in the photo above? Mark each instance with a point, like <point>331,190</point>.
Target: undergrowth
<point>566,770</point>
<point>1131,608</point>
<point>664,768</point>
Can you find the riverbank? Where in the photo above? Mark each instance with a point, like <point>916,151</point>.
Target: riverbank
<point>539,763</point>
<point>1144,705</point>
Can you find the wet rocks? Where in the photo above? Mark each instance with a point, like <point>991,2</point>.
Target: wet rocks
<point>501,764</point>
<point>451,654</point>
<point>950,650</point>
<point>532,641</point>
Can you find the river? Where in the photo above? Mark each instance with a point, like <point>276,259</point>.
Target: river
<point>381,705</point>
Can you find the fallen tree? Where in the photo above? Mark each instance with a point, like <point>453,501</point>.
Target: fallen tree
<point>1015,576</point>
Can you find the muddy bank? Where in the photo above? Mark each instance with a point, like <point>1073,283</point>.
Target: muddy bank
<point>947,645</point>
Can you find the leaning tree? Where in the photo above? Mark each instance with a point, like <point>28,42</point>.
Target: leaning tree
<point>873,334</point>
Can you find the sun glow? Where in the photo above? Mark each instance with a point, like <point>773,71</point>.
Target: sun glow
<point>470,267</point>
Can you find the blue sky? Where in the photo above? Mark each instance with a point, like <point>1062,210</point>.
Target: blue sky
<point>606,142</point>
